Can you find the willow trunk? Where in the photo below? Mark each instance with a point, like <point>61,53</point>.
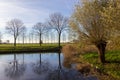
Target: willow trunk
<point>101,51</point>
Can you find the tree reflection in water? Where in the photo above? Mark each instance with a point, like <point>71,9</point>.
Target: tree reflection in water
<point>41,67</point>
<point>62,73</point>
<point>14,69</point>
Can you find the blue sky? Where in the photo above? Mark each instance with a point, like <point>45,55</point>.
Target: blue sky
<point>33,11</point>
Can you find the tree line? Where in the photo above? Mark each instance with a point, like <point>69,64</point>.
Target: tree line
<point>56,23</point>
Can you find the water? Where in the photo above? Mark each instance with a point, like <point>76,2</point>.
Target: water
<point>36,66</point>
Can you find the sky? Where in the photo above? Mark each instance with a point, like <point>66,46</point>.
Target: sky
<point>32,11</point>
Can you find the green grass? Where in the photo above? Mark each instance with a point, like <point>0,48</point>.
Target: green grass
<point>34,44</point>
<point>9,48</point>
<point>112,67</point>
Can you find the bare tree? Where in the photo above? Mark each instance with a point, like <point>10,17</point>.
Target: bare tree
<point>32,36</point>
<point>15,28</point>
<point>59,23</point>
<point>29,38</point>
<point>23,34</point>
<point>40,29</point>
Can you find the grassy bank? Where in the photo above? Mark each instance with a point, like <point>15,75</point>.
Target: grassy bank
<point>9,48</point>
<point>112,68</point>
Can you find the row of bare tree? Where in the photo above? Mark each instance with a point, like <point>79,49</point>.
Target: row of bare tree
<point>49,37</point>
<point>56,23</point>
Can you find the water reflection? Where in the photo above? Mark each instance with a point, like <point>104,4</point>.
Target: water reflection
<point>40,67</point>
<point>15,69</point>
<point>61,73</point>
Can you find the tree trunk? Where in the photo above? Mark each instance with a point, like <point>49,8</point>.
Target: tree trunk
<point>59,37</point>
<point>23,39</point>
<point>14,42</point>
<point>101,51</point>
<point>40,39</point>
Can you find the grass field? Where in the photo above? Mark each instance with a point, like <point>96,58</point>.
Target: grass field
<point>34,44</point>
<point>9,48</point>
<point>112,67</point>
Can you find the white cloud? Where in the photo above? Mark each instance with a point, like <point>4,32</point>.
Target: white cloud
<point>28,15</point>
<point>9,11</point>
